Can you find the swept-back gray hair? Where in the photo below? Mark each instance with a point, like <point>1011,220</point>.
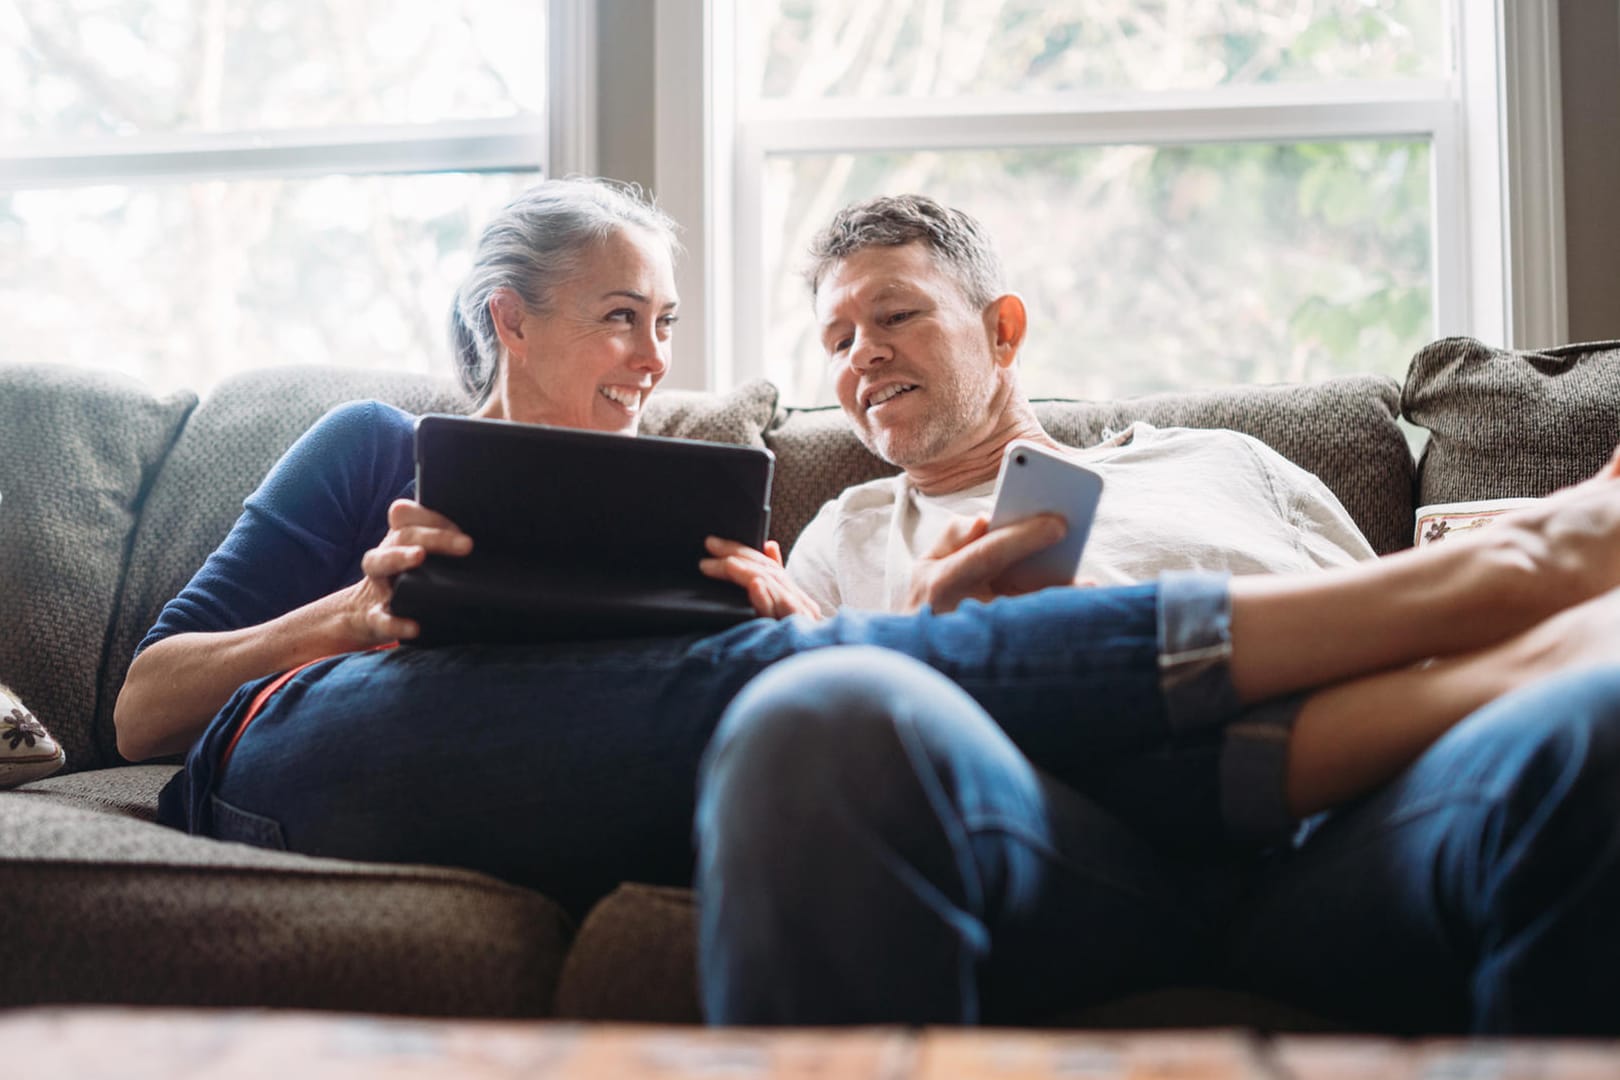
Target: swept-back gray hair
<point>957,241</point>
<point>538,241</point>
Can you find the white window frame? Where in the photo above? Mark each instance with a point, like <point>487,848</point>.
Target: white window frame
<point>559,141</point>
<point>1494,127</point>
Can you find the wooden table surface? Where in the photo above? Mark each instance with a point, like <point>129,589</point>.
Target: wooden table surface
<point>92,1043</point>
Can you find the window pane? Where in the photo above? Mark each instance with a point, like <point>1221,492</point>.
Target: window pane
<point>1152,268</point>
<point>182,285</point>
<point>80,68</point>
<point>856,48</point>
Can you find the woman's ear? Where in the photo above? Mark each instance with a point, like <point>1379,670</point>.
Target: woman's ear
<point>1007,322</point>
<point>506,312</point>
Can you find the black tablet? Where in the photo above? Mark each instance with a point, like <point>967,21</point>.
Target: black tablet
<point>579,534</point>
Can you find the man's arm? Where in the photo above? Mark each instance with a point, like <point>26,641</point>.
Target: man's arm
<point>968,561</point>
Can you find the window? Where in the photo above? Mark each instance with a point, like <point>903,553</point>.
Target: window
<point>193,188</point>
<point>1187,192</point>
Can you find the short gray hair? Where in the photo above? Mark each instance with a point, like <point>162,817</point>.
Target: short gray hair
<point>957,241</point>
<point>538,241</point>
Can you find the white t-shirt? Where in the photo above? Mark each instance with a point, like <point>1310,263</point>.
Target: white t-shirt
<point>1176,498</point>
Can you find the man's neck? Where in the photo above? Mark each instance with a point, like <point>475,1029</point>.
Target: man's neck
<point>980,462</point>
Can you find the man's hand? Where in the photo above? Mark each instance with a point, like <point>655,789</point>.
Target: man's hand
<point>773,594</point>
<point>969,559</point>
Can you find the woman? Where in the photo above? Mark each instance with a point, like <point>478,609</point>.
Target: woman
<point>571,768</point>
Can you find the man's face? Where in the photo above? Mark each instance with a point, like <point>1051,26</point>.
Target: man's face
<point>911,358</point>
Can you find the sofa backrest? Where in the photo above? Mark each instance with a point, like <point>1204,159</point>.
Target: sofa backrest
<point>78,451</point>
<point>1341,429</point>
<point>110,497</point>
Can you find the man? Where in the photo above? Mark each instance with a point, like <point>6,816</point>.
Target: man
<point>874,848</point>
<point>924,342</point>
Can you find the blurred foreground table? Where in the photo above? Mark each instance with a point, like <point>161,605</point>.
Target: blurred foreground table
<point>135,1043</point>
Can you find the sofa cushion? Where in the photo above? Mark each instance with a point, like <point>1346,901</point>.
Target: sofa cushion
<point>634,959</point>
<point>78,450</point>
<point>118,909</point>
<point>1341,429</point>
<point>1509,423</point>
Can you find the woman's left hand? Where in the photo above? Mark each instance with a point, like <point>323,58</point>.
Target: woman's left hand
<point>773,594</point>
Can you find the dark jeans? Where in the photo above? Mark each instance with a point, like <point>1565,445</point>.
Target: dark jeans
<point>875,848</point>
<point>572,768</point>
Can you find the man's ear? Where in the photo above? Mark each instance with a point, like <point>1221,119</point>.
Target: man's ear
<point>506,311</point>
<point>1006,321</point>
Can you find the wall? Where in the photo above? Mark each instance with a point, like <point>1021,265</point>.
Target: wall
<point>1589,59</point>
<point>625,135</point>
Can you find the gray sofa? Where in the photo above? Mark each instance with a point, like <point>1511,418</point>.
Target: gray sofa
<point>110,497</point>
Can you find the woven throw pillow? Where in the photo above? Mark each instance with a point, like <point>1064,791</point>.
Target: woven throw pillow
<point>739,416</point>
<point>78,451</point>
<point>1509,423</point>
<point>27,751</point>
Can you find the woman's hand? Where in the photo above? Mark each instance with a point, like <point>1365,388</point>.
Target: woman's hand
<point>968,560</point>
<point>414,533</point>
<point>773,594</point>
<point>177,685</point>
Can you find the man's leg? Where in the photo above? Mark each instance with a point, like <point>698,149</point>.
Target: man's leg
<point>872,848</point>
<point>1481,888</point>
<point>569,768</point>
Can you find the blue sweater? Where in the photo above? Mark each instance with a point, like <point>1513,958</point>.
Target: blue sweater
<point>303,532</point>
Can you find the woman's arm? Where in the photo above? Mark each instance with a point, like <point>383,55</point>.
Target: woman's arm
<point>176,685</point>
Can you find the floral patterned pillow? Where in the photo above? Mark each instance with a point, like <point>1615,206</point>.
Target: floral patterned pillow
<point>27,751</point>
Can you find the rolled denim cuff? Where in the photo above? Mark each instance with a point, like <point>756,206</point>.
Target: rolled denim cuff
<point>1254,772</point>
<point>1195,650</point>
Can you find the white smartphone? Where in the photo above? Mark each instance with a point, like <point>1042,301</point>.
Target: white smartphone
<point>1035,480</point>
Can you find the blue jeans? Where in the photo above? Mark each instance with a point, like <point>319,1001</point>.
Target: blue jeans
<point>572,768</point>
<point>874,847</point>
<point>1480,889</point>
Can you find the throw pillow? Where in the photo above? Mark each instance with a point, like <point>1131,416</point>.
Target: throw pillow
<point>1507,423</point>
<point>27,751</point>
<point>1442,521</point>
<point>739,416</point>
<point>79,449</point>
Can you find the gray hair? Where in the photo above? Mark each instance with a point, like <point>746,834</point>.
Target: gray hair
<point>537,242</point>
<point>956,240</point>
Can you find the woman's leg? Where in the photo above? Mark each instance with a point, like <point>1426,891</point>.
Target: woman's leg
<point>873,849</point>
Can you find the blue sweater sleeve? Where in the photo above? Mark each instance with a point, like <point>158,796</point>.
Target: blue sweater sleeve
<point>303,532</point>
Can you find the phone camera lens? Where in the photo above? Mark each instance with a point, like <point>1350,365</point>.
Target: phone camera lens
<point>1018,459</point>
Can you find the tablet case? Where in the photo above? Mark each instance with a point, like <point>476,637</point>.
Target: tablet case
<point>579,534</point>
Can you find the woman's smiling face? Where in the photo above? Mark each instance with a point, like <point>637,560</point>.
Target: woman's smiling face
<point>591,359</point>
